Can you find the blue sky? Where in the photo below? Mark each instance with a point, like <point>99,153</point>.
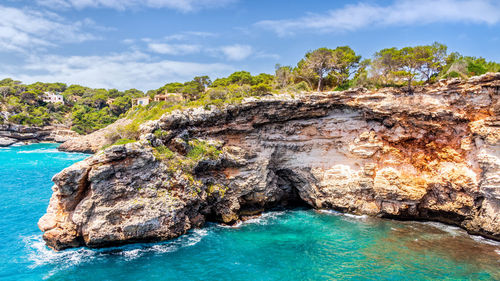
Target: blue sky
<point>146,43</point>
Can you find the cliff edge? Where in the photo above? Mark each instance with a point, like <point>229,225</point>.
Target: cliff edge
<point>433,155</point>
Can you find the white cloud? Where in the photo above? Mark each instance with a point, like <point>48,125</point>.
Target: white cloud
<point>128,41</point>
<point>180,5</point>
<point>263,55</point>
<point>121,71</point>
<point>237,52</point>
<point>26,29</point>
<point>403,12</point>
<point>174,49</point>
<point>190,35</point>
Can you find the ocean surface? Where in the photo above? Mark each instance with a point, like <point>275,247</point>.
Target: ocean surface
<point>289,245</point>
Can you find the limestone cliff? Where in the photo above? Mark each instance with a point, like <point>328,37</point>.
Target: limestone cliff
<point>94,141</point>
<point>433,155</point>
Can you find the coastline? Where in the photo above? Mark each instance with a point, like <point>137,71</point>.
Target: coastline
<point>13,134</point>
<point>428,156</point>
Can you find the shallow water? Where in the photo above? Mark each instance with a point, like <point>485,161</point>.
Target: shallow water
<point>291,245</point>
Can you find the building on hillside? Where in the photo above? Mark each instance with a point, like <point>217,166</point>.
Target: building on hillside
<point>169,97</point>
<point>53,97</point>
<point>141,101</point>
<point>110,101</point>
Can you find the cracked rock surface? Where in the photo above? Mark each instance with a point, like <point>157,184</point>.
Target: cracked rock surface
<point>433,155</point>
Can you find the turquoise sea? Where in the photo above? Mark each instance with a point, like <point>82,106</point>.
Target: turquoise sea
<point>283,245</point>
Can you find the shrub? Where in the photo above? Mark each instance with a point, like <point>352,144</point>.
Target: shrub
<point>261,89</point>
<point>118,142</point>
<point>163,153</point>
<point>202,149</point>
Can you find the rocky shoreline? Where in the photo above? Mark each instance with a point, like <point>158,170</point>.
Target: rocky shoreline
<point>433,155</point>
<point>11,134</point>
<point>93,142</point>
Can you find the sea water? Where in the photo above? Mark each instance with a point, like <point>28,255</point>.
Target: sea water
<point>288,245</point>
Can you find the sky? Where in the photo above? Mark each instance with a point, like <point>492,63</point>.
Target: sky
<point>144,44</point>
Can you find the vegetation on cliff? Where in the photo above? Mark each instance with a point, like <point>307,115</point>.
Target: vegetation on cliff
<point>87,110</point>
<point>430,155</point>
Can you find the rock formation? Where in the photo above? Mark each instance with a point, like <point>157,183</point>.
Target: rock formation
<point>433,155</point>
<point>92,142</point>
<point>11,134</point>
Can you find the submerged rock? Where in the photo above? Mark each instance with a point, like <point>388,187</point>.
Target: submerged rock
<point>434,155</point>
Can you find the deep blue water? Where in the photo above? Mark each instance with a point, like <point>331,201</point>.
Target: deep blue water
<point>291,245</point>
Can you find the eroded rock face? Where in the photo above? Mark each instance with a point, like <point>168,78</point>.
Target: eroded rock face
<point>12,133</point>
<point>434,155</point>
<point>93,142</point>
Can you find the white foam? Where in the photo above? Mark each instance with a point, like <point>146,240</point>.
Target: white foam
<point>263,219</point>
<point>71,156</point>
<point>347,215</point>
<point>133,251</point>
<point>40,150</point>
<point>330,212</point>
<point>453,230</point>
<point>359,217</point>
<point>41,255</point>
<point>19,144</point>
<point>485,241</point>
<point>236,225</point>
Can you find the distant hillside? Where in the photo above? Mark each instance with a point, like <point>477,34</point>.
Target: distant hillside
<point>86,110</point>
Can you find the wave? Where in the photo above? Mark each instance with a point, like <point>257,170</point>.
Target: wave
<point>483,240</point>
<point>346,215</point>
<point>452,230</point>
<point>134,251</point>
<point>359,217</point>
<point>71,156</point>
<point>19,144</point>
<point>330,212</point>
<point>40,255</point>
<point>40,150</point>
<point>263,219</point>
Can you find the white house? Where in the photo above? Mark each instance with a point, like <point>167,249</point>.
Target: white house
<point>141,101</point>
<point>52,97</point>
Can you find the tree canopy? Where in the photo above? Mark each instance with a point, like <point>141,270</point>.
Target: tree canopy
<point>337,64</point>
<point>409,63</point>
<point>87,109</point>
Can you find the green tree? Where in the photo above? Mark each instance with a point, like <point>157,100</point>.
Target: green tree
<point>120,105</point>
<point>361,78</point>
<point>282,76</point>
<point>261,89</point>
<point>240,78</point>
<point>203,82</point>
<point>262,78</point>
<point>338,63</point>
<point>409,64</point>
<point>317,64</point>
<point>432,59</point>
<point>345,63</point>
